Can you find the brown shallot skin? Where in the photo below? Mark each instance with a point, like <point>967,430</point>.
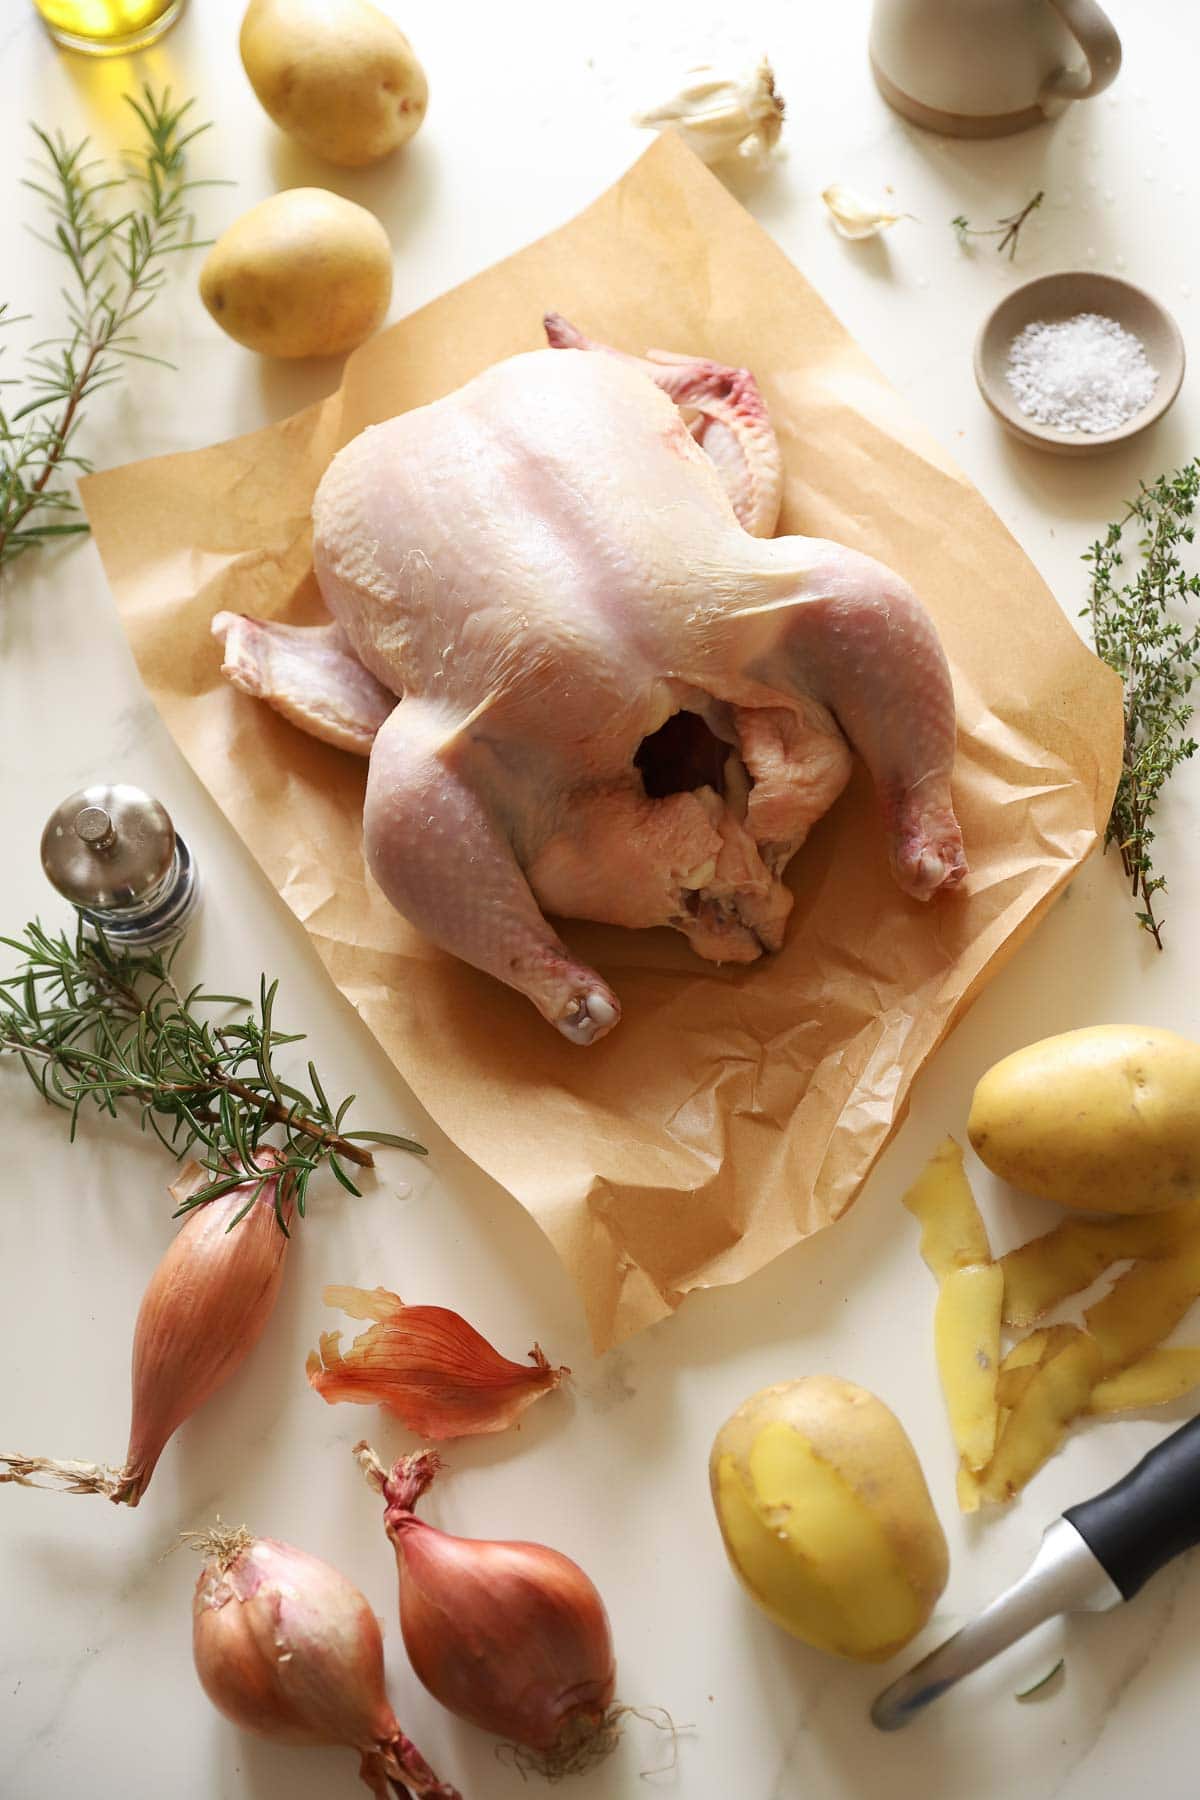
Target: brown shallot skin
<point>204,1310</point>
<point>426,1365</point>
<point>287,1648</point>
<point>511,1636</point>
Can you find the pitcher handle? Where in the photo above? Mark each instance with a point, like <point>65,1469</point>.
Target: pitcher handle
<point>1097,38</point>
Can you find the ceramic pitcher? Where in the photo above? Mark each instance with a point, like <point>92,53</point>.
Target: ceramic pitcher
<point>984,68</point>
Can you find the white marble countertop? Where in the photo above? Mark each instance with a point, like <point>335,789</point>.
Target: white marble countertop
<point>97,1691</point>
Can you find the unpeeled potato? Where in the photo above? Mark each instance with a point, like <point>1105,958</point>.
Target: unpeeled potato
<point>337,75</point>
<point>1106,1119</point>
<point>826,1517</point>
<point>304,273</point>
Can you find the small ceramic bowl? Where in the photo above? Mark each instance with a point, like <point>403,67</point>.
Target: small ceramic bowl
<point>1053,297</point>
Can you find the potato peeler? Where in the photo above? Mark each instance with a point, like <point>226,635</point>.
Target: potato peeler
<point>1090,1559</point>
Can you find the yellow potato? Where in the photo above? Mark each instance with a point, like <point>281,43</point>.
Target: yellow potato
<point>1152,1380</point>
<point>1048,1269</point>
<point>1106,1119</point>
<point>826,1517</point>
<point>966,1339</point>
<point>304,273</point>
<point>1145,1305</point>
<point>952,1233</point>
<point>1059,1391</point>
<point>337,75</point>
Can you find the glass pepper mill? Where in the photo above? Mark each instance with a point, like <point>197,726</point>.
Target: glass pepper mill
<point>113,852</point>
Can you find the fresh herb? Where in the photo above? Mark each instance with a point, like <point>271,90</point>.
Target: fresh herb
<point>115,230</point>
<point>1138,631</point>
<point>1029,1692</point>
<point>1007,230</point>
<point>95,1027</point>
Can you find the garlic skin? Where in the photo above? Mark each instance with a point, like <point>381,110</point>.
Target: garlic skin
<point>513,1637</point>
<point>855,217</point>
<point>426,1365</point>
<point>286,1647</point>
<point>722,117</point>
<point>204,1310</point>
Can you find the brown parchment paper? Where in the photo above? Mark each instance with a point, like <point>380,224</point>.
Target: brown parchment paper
<point>733,1111</point>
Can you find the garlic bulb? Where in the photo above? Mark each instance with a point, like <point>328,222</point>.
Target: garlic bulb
<point>855,217</point>
<point>722,116</point>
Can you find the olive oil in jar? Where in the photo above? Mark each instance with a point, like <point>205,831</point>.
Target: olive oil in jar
<point>107,27</point>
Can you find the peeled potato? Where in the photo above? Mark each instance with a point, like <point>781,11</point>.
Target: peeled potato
<point>826,1517</point>
<point>1106,1119</point>
<point>304,273</point>
<point>337,75</point>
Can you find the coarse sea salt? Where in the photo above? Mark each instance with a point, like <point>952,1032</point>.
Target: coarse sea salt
<point>1082,374</point>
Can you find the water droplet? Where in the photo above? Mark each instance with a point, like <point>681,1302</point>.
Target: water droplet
<point>1147,174</point>
<point>1178,188</point>
<point>1068,197</point>
<point>923,281</point>
<point>1093,149</point>
<point>1092,182</point>
<point>1186,290</point>
<point>1119,261</point>
<point>1091,253</point>
<point>1109,197</point>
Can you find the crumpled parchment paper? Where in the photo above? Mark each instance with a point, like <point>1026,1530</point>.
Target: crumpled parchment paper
<point>734,1110</point>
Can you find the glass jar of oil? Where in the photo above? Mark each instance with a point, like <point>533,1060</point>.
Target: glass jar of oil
<point>107,27</point>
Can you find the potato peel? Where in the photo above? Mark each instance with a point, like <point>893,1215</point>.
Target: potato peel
<point>1040,1274</point>
<point>1059,1391</point>
<point>1152,1380</point>
<point>953,1235</point>
<point>1144,1305</point>
<point>966,1335</point>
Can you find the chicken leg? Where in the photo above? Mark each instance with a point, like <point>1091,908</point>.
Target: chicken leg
<point>445,861</point>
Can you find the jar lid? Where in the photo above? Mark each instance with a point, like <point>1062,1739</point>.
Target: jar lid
<point>108,846</point>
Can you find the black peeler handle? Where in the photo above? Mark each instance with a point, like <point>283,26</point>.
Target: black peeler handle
<point>1148,1517</point>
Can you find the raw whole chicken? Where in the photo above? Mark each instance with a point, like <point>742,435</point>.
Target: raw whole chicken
<point>589,681</point>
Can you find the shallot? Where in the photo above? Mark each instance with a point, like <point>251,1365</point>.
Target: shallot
<point>286,1647</point>
<point>427,1365</point>
<point>511,1636</point>
<point>206,1306</point>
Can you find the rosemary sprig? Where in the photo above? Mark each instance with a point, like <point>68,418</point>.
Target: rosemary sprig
<point>1138,631</point>
<point>115,230</point>
<point>95,1027</point>
<point>1007,230</point>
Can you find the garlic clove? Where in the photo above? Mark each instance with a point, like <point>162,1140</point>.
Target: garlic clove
<point>427,1365</point>
<point>722,116</point>
<point>855,217</point>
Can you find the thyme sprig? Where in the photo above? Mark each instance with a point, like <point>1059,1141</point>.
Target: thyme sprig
<point>1007,230</point>
<point>115,232</point>
<point>94,1026</point>
<point>1138,630</point>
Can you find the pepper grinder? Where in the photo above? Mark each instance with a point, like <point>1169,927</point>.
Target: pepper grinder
<point>113,852</point>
